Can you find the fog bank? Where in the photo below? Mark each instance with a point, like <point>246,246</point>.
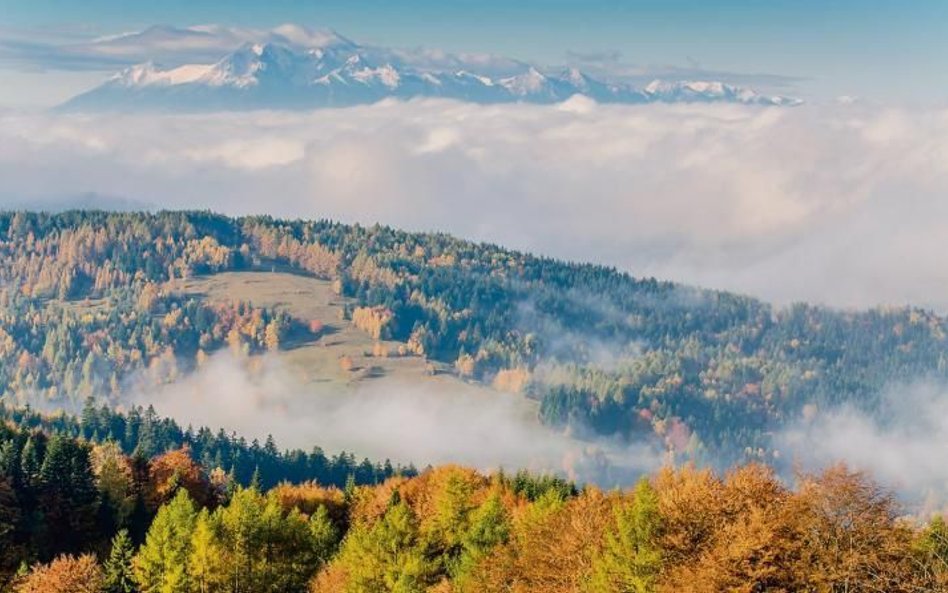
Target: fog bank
<point>421,423</point>
<point>842,204</point>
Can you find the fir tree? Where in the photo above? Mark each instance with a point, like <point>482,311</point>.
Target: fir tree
<point>118,566</point>
<point>631,557</point>
<point>490,527</point>
<point>161,565</point>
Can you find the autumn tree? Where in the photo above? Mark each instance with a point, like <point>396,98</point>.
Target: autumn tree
<point>932,550</point>
<point>114,481</point>
<point>749,547</point>
<point>849,536</point>
<point>175,470</point>
<point>205,563</point>
<point>65,574</point>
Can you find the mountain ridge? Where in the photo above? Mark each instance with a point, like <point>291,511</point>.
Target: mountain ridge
<point>298,69</point>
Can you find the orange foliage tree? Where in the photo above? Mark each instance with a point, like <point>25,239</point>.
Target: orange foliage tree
<point>65,574</point>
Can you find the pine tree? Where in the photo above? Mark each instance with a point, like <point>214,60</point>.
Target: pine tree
<point>10,463</point>
<point>631,557</point>
<point>68,496</point>
<point>490,526</point>
<point>31,459</point>
<point>89,420</point>
<point>388,557</point>
<point>204,562</point>
<point>255,479</point>
<point>9,521</point>
<point>118,566</point>
<point>350,488</point>
<point>323,534</point>
<point>161,565</point>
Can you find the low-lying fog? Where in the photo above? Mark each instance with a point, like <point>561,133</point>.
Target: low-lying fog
<point>390,419</point>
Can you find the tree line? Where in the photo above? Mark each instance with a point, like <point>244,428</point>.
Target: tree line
<point>453,529</point>
<point>68,485</point>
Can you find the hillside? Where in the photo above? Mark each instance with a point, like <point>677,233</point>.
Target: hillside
<point>318,358</point>
<point>96,304</point>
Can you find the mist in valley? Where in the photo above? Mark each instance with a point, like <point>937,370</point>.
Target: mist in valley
<point>419,422</point>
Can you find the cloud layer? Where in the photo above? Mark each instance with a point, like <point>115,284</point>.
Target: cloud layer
<point>420,423</point>
<point>840,204</point>
<point>903,443</point>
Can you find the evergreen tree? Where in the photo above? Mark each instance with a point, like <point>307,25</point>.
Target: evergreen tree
<point>324,535</point>
<point>118,566</point>
<point>68,496</point>
<point>387,557</point>
<point>350,488</point>
<point>631,557</point>
<point>490,527</point>
<point>255,479</point>
<point>32,459</point>
<point>89,420</point>
<point>161,565</point>
<point>10,516</point>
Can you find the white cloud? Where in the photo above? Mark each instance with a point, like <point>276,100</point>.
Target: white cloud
<point>421,423</point>
<point>839,204</point>
<point>903,443</point>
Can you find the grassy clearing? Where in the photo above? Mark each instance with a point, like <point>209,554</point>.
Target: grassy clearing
<point>317,361</point>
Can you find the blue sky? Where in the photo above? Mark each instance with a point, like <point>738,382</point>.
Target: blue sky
<point>882,49</point>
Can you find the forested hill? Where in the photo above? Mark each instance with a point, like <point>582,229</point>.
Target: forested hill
<point>88,299</point>
<point>80,517</point>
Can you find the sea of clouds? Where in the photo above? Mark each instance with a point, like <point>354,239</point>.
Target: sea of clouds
<point>841,204</point>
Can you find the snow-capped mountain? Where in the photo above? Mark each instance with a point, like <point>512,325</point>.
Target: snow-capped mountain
<point>691,91</point>
<point>301,70</point>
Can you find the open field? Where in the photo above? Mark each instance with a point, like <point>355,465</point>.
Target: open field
<point>316,362</point>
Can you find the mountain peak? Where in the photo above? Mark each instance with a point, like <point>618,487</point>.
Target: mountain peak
<point>296,67</point>
<point>708,91</point>
<point>148,73</point>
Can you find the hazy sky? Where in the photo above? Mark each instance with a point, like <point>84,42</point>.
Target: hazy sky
<point>884,49</point>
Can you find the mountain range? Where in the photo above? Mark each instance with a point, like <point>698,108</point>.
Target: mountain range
<point>292,70</point>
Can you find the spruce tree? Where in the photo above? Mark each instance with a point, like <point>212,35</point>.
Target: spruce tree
<point>118,566</point>
<point>323,534</point>
<point>490,526</point>
<point>631,557</point>
<point>162,562</point>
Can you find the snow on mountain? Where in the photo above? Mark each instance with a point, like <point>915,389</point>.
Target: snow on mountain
<point>708,92</point>
<point>148,74</point>
<point>299,69</point>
